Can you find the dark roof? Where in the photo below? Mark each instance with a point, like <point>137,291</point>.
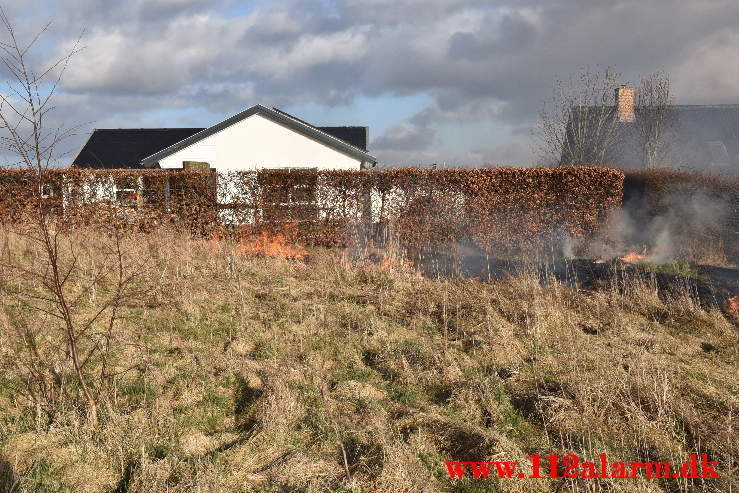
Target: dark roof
<point>275,115</point>
<point>713,131</point>
<point>701,137</point>
<point>356,136</point>
<point>126,147</point>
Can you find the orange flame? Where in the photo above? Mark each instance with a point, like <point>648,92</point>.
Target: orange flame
<point>390,263</point>
<point>215,242</point>
<point>268,245</point>
<point>633,257</point>
<point>732,306</point>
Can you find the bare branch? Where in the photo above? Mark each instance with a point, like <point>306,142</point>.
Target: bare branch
<point>657,120</point>
<point>576,127</point>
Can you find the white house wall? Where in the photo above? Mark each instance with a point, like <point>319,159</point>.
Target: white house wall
<point>258,142</point>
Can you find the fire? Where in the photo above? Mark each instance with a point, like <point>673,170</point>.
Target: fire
<point>633,257</point>
<point>390,263</point>
<point>215,242</point>
<point>271,245</point>
<point>732,306</point>
<point>385,263</point>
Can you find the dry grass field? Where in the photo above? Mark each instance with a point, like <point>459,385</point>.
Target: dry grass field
<point>243,373</point>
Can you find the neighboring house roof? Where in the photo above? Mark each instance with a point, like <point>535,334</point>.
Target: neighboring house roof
<point>356,136</point>
<point>699,137</point>
<point>126,147</point>
<point>275,115</point>
<point>710,134</point>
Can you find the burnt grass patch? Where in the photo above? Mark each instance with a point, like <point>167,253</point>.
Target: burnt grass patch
<point>710,286</point>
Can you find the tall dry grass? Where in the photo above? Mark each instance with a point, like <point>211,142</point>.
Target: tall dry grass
<point>256,374</point>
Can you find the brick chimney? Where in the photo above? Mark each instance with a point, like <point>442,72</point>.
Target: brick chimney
<point>625,104</point>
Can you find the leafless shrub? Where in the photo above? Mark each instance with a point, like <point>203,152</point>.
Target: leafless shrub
<point>75,287</point>
<point>577,125</point>
<point>582,126</point>
<point>657,120</point>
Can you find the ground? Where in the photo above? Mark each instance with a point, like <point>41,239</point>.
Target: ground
<point>261,374</point>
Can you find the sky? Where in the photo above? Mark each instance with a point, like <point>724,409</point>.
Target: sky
<point>452,82</point>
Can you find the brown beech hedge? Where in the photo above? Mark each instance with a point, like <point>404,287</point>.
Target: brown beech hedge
<point>496,209</point>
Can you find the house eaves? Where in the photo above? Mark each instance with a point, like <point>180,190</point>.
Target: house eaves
<point>276,116</point>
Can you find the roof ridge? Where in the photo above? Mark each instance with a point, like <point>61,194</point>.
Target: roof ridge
<point>342,126</point>
<point>710,105</point>
<point>319,129</point>
<point>285,113</point>
<point>726,105</point>
<point>149,128</point>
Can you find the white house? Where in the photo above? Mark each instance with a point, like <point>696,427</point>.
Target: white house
<point>256,138</point>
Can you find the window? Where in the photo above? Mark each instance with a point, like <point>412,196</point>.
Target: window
<point>126,191</point>
<point>47,191</point>
<point>718,154</point>
<point>304,193</point>
<point>193,187</point>
<point>289,194</point>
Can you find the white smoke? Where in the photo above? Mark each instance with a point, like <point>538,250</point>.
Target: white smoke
<point>687,225</point>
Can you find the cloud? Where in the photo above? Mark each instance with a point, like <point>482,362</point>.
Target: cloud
<point>116,63</point>
<point>308,52</point>
<point>716,80</point>
<point>403,12</point>
<point>404,137</point>
<point>478,60</point>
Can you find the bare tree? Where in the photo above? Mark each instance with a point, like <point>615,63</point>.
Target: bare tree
<point>577,125</point>
<point>656,120</point>
<point>61,294</point>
